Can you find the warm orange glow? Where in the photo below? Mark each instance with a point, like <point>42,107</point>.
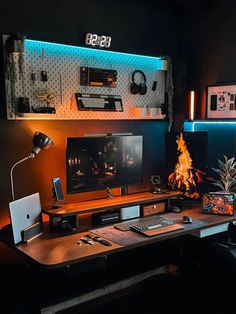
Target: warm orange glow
<point>5,219</point>
<point>185,176</point>
<point>192,105</point>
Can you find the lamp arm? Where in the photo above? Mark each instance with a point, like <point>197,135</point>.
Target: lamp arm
<point>11,175</point>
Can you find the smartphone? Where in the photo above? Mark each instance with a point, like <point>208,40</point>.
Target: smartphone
<point>57,188</point>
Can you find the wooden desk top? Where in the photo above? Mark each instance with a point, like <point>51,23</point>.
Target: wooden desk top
<point>55,252</point>
<point>63,250</point>
<point>109,203</point>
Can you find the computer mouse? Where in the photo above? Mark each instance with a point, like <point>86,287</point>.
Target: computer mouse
<point>187,219</point>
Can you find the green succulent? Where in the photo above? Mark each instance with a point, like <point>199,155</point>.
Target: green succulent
<point>227,174</point>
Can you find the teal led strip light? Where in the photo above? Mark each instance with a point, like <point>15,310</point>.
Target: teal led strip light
<point>56,49</point>
<point>193,125</point>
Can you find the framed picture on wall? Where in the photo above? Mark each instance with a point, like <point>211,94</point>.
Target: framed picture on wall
<point>221,101</point>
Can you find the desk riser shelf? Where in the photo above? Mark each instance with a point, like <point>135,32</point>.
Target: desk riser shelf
<point>108,203</point>
<point>69,213</point>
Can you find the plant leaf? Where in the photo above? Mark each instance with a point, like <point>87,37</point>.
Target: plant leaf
<point>226,173</point>
<point>216,170</point>
<point>219,185</point>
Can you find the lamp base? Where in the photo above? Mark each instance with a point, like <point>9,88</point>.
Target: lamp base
<point>55,206</point>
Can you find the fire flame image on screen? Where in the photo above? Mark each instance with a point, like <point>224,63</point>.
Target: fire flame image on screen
<point>185,177</point>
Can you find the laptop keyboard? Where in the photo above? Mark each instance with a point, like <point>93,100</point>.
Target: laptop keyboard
<point>146,223</point>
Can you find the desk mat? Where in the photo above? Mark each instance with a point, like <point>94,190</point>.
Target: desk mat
<point>125,238</point>
<point>120,237</point>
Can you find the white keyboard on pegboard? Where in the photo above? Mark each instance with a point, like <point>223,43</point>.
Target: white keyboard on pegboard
<point>98,102</point>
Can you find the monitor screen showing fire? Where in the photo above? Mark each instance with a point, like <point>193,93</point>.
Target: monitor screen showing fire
<point>186,162</point>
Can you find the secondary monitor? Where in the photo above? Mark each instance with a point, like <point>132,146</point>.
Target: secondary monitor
<point>95,163</point>
<point>186,162</point>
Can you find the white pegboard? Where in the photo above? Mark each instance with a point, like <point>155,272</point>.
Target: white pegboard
<point>63,63</point>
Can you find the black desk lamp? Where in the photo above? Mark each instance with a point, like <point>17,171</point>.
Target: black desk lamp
<point>40,141</point>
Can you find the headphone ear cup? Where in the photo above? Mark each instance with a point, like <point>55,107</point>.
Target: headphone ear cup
<point>134,88</point>
<point>142,89</point>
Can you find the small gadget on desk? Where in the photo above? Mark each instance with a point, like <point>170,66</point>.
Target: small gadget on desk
<point>176,209</point>
<point>43,109</point>
<point>105,218</point>
<point>98,239</point>
<point>129,212</point>
<point>176,205</point>
<point>156,181</point>
<point>156,190</point>
<point>187,219</point>
<point>63,224</point>
<point>58,195</point>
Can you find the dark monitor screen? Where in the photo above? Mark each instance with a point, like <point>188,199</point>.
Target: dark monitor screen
<point>186,162</point>
<point>94,163</point>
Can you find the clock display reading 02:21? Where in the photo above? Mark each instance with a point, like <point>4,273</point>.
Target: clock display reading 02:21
<point>96,40</point>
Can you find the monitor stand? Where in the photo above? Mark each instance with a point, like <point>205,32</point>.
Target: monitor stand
<point>124,190</point>
<point>109,193</point>
<point>55,204</point>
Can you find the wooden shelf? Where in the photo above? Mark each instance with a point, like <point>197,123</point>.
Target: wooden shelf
<point>54,116</point>
<point>36,116</point>
<point>108,203</point>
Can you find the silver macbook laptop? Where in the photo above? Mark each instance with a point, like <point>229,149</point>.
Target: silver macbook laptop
<point>24,213</point>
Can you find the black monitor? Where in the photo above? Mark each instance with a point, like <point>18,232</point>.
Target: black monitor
<point>186,162</point>
<point>95,163</point>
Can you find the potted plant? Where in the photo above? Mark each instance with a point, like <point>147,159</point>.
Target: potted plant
<point>222,202</point>
<point>227,175</point>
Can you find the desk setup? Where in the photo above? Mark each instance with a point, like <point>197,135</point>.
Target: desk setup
<point>52,251</point>
<point>55,247</point>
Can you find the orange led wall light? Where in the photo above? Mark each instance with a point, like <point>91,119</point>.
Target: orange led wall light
<point>191,105</point>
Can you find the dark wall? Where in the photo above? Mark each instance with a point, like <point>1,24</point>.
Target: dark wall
<point>137,27</point>
<point>148,27</point>
<point>217,48</point>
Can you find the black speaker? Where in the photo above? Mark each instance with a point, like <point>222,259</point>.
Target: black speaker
<point>57,189</point>
<point>57,193</point>
<point>140,88</point>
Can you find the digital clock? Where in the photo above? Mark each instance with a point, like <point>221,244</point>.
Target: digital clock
<point>97,41</point>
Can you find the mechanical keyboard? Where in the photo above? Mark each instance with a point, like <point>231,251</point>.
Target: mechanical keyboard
<point>98,77</point>
<point>98,102</point>
<point>149,226</point>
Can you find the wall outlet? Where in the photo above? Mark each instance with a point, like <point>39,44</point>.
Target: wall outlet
<point>156,179</point>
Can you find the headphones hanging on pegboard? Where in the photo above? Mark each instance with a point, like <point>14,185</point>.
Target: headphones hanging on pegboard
<point>140,88</point>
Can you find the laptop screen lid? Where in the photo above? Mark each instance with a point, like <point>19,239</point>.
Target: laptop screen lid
<point>24,213</point>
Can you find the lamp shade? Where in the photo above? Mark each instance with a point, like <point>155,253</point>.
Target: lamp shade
<point>40,141</point>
